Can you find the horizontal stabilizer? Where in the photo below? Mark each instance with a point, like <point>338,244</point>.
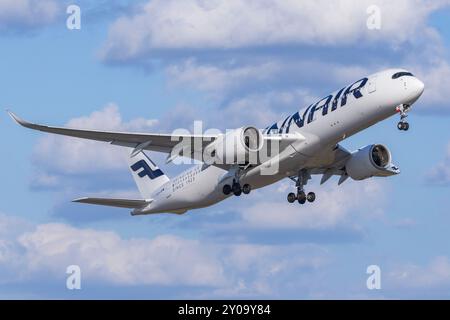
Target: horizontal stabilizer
<point>120,203</point>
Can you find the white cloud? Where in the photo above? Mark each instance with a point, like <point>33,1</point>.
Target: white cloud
<point>11,226</point>
<point>435,274</point>
<point>199,24</point>
<point>435,96</point>
<point>211,78</point>
<point>403,223</point>
<point>74,156</point>
<point>24,14</point>
<point>47,249</point>
<point>440,174</point>
<point>186,28</point>
<point>232,76</point>
<point>258,269</point>
<point>333,207</point>
<point>262,109</point>
<point>103,255</point>
<point>258,93</point>
<point>10,251</point>
<point>258,81</point>
<point>44,251</point>
<point>244,257</point>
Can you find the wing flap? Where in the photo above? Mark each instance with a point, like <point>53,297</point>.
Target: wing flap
<point>119,203</point>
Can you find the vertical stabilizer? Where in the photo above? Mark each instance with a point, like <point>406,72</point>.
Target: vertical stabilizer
<point>146,174</point>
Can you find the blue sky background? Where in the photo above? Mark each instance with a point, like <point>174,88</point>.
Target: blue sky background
<point>160,65</point>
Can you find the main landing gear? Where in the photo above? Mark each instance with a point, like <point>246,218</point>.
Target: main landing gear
<point>301,196</point>
<point>236,188</point>
<point>403,109</point>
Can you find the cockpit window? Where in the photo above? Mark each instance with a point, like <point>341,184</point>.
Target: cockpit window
<point>402,74</point>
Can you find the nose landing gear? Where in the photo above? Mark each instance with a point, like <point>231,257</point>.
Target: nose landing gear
<point>403,109</point>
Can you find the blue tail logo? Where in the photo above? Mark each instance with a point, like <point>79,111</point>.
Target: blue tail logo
<point>146,170</point>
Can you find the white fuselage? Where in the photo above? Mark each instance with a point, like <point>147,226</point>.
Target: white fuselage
<point>323,124</point>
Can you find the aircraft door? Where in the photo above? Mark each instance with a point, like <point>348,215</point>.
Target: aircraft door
<point>372,85</point>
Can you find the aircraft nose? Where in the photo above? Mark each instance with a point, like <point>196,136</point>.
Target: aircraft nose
<point>417,86</point>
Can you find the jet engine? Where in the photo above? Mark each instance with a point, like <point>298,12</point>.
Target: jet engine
<point>238,146</point>
<point>369,161</point>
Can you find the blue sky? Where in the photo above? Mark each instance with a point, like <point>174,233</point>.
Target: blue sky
<point>160,65</point>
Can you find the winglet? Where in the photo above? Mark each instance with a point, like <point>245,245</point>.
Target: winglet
<point>18,120</point>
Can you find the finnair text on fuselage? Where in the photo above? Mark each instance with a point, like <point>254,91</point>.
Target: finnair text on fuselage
<point>309,113</point>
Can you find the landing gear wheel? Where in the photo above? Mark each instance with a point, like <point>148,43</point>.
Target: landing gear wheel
<point>246,189</point>
<point>291,197</point>
<point>301,197</point>
<point>311,197</point>
<point>237,190</point>
<point>226,189</point>
<point>404,126</point>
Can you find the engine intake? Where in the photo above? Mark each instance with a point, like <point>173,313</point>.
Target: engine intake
<point>369,161</point>
<point>240,146</point>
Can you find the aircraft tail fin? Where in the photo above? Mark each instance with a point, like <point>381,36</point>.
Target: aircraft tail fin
<point>146,174</point>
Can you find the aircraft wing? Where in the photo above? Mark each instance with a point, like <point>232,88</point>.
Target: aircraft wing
<point>120,203</point>
<point>147,141</point>
<point>336,167</point>
<point>142,141</point>
<point>339,156</point>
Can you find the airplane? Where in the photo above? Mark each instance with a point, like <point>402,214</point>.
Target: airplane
<point>306,143</point>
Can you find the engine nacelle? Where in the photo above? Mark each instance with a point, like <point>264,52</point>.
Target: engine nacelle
<point>369,161</point>
<point>238,146</point>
